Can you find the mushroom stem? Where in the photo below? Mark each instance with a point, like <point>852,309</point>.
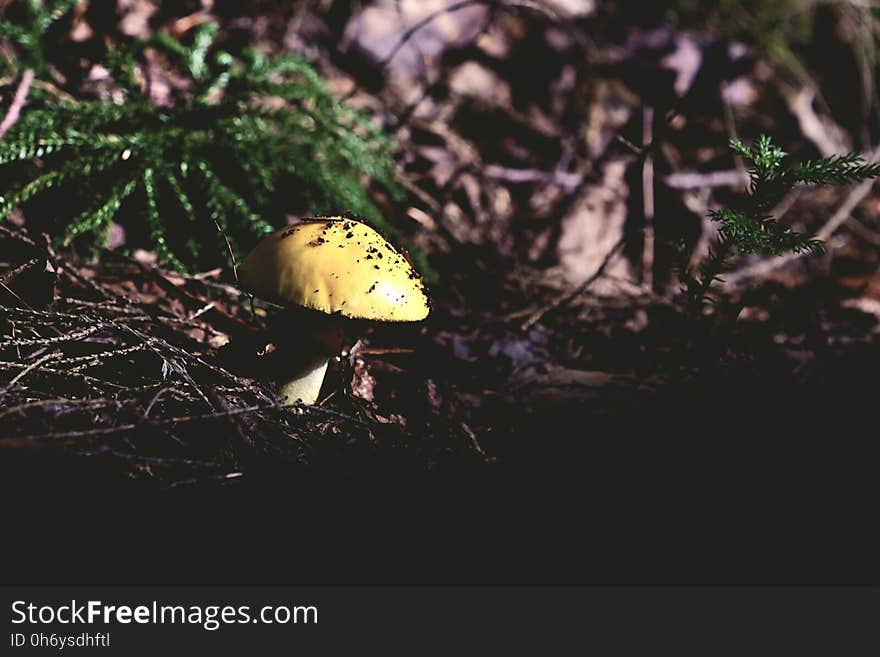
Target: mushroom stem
<point>305,384</point>
<point>307,340</point>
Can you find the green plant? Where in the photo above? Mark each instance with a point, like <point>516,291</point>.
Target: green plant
<point>751,228</point>
<point>250,138</point>
<point>27,34</point>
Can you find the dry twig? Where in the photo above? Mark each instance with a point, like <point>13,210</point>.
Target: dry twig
<point>14,111</point>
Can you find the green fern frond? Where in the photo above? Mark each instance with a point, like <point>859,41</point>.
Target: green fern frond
<point>191,244</point>
<point>154,222</point>
<point>11,199</point>
<point>836,170</point>
<point>27,33</point>
<point>761,234</point>
<point>99,218</point>
<point>751,229</point>
<point>215,159</point>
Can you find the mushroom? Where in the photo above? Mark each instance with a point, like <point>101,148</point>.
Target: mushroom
<point>325,271</point>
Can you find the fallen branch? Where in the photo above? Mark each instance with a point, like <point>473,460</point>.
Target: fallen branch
<point>648,198</point>
<point>172,421</point>
<point>565,299</point>
<point>508,5</point>
<point>14,111</point>
<point>712,179</point>
<point>92,381</point>
<point>27,370</point>
<point>564,179</point>
<point>30,342</point>
<point>6,277</point>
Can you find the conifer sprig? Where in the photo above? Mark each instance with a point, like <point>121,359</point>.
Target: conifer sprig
<point>771,180</point>
<point>253,137</point>
<point>751,228</point>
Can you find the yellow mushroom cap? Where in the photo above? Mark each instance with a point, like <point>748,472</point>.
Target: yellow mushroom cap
<point>335,265</point>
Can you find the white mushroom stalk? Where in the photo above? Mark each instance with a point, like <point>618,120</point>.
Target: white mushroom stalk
<point>339,268</point>
<point>306,340</point>
<point>305,384</point>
